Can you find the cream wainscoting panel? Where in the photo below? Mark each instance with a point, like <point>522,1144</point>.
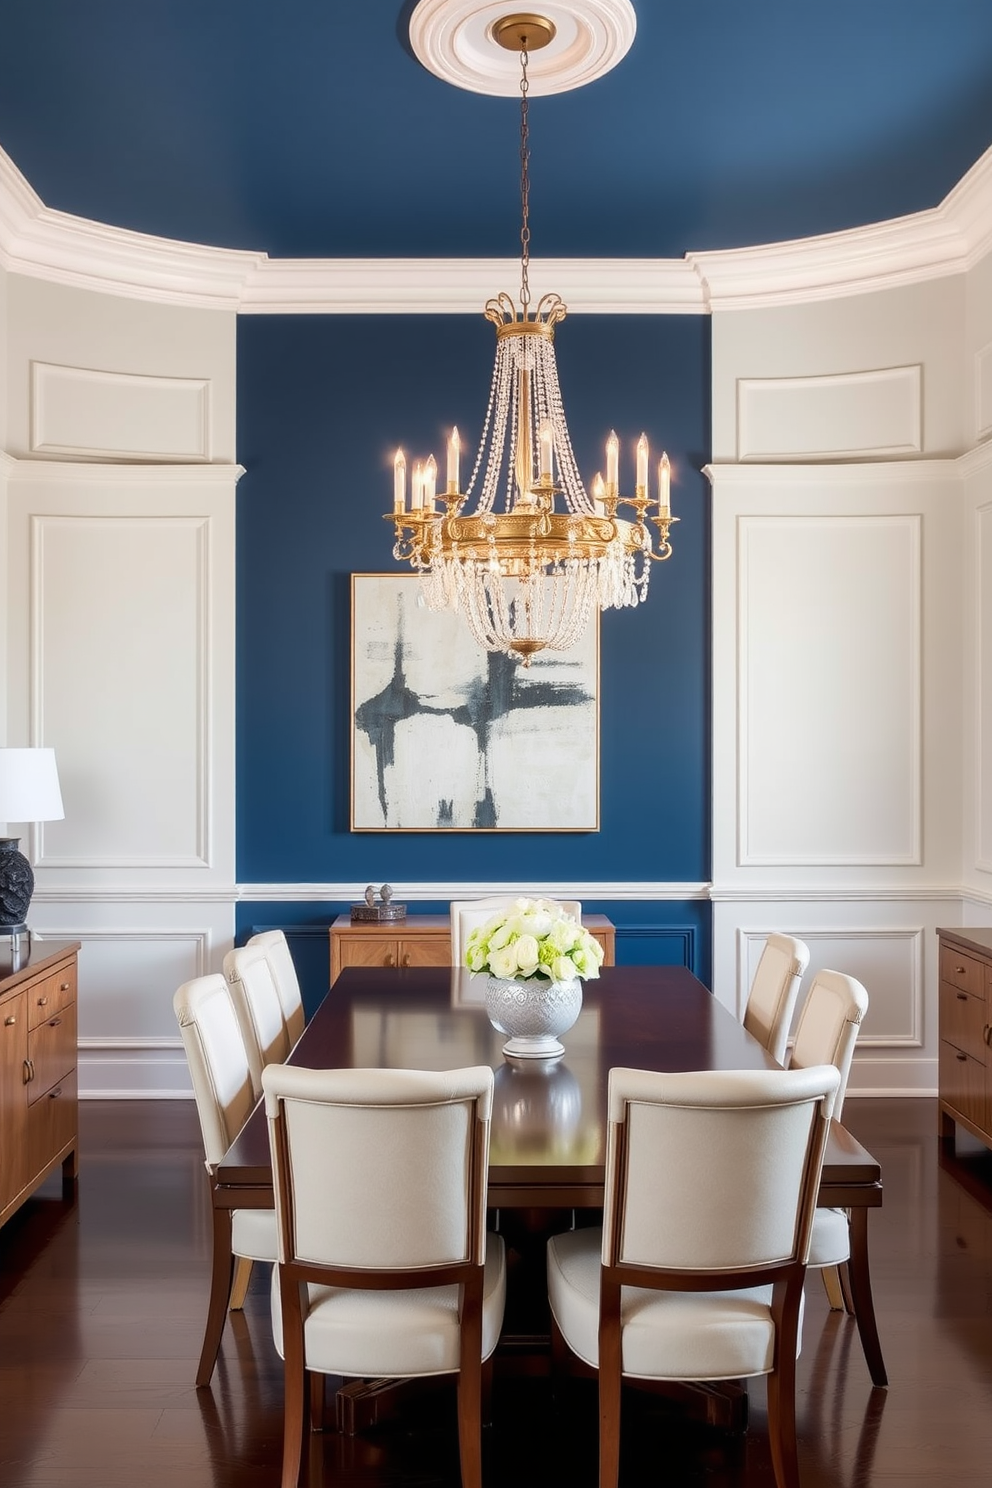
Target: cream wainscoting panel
<point>122,658</point>
<point>889,961</point>
<point>118,415</point>
<point>888,942</point>
<point>120,603</point>
<point>842,415</point>
<point>132,958</point>
<point>829,690</point>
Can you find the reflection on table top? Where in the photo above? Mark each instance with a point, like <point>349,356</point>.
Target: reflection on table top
<point>549,1120</point>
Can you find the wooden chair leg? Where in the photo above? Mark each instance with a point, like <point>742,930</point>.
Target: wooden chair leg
<point>610,1373</point>
<point>782,1384</point>
<point>239,1286</point>
<point>221,1274</point>
<point>470,1425</point>
<point>294,1377</point>
<point>847,1296</point>
<point>832,1287</point>
<point>864,1306</point>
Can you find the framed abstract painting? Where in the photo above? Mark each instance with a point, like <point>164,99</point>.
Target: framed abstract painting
<point>447,737</point>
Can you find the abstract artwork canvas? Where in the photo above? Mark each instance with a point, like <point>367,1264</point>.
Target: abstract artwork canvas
<point>449,737</point>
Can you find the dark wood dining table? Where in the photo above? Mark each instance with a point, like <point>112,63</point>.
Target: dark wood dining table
<point>548,1138</point>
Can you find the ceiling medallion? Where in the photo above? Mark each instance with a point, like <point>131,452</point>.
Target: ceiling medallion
<point>527,576</point>
<point>454,40</point>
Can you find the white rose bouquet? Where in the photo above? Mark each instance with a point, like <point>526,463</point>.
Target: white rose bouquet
<point>533,939</point>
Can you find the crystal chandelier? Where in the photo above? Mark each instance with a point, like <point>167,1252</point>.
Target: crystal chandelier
<point>527,575</point>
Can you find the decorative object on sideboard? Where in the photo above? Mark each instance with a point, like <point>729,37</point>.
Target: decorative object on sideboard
<point>29,792</point>
<point>379,910</point>
<point>535,957</point>
<point>528,577</point>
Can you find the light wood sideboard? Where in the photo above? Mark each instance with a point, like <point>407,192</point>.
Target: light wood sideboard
<point>38,1096</point>
<point>965,1021</point>
<point>421,940</point>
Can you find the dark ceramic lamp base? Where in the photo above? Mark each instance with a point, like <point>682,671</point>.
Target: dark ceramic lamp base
<point>16,888</point>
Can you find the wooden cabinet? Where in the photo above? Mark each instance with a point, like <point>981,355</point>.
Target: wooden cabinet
<point>38,1097</point>
<point>965,1010</point>
<point>419,940</point>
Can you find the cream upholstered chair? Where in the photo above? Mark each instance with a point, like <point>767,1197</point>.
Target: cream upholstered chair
<point>466,914</point>
<point>218,1067</point>
<point>259,1009</point>
<point>385,1267</point>
<point>774,988</point>
<point>827,1032</point>
<point>280,959</point>
<point>698,1271</point>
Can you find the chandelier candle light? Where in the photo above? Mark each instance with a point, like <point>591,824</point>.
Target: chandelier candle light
<point>528,576</point>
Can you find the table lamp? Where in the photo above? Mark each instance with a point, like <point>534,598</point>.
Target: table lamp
<point>29,792</point>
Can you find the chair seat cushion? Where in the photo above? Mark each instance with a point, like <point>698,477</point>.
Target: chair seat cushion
<point>666,1335</point>
<point>253,1234</point>
<point>409,1332</point>
<point>830,1242</point>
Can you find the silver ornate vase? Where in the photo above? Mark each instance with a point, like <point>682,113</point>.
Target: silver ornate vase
<point>533,1013</point>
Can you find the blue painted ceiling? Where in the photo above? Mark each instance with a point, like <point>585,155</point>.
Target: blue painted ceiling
<point>306,128</point>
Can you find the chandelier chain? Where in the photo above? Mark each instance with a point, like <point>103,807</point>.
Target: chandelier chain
<point>524,185</point>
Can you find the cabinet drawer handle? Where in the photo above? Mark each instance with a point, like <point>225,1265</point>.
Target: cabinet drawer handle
<point>987,1034</point>
<point>962,1057</point>
<point>406,959</point>
<point>390,959</point>
<point>54,1094</point>
<point>55,1023</point>
<point>962,997</point>
<point>960,970</point>
<point>63,986</point>
<point>9,1022</point>
<point>42,1001</point>
<point>28,1071</point>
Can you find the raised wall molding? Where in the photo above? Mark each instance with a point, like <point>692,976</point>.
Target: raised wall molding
<point>118,415</point>
<point>89,572</point>
<point>852,656</point>
<point>852,415</point>
<point>895,977</point>
<point>947,239</point>
<point>422,892</point>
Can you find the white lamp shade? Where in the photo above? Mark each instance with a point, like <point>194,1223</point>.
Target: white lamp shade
<point>29,786</point>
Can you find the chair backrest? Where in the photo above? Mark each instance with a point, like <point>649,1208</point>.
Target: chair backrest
<point>380,1169</point>
<point>466,914</point>
<point>715,1170</point>
<point>828,1026</point>
<point>773,992</point>
<point>280,959</point>
<point>256,1002</point>
<point>218,1061</point>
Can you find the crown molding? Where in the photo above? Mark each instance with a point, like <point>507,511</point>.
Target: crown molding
<point>55,246</point>
<point>461,286</point>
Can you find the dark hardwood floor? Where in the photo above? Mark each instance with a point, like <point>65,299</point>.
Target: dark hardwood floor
<point>102,1304</point>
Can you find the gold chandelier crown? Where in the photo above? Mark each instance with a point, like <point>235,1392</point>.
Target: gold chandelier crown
<point>536,553</point>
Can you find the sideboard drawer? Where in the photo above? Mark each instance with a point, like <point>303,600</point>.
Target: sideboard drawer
<point>962,1083</point>
<point>962,971</point>
<point>51,1052</point>
<point>963,1021</point>
<point>51,995</point>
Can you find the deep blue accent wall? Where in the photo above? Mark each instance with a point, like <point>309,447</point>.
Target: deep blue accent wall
<point>323,401</point>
